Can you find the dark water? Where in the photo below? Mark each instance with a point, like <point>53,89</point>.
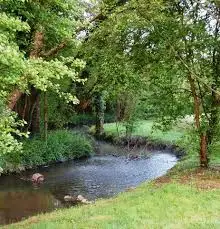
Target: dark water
<point>97,177</point>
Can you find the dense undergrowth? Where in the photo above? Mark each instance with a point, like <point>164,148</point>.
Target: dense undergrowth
<point>88,119</point>
<point>61,145</point>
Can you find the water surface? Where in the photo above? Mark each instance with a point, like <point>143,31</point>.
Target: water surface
<point>96,177</point>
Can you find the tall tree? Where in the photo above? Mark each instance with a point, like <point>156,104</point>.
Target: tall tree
<point>170,48</point>
<point>48,59</point>
<point>34,59</point>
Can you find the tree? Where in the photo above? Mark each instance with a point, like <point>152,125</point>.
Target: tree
<point>12,64</point>
<point>47,58</point>
<point>34,59</point>
<point>171,49</point>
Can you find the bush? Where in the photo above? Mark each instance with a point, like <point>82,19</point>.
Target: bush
<point>10,146</point>
<point>59,111</point>
<point>88,119</point>
<point>61,145</point>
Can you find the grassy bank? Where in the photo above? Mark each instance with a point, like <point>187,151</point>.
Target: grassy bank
<point>166,203</point>
<point>187,197</point>
<point>145,128</point>
<point>61,145</point>
<point>178,135</point>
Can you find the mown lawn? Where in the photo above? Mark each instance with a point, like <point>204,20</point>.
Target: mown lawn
<point>156,205</point>
<point>145,128</point>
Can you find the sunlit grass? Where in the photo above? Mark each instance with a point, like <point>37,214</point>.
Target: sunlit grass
<point>145,128</point>
<point>170,206</point>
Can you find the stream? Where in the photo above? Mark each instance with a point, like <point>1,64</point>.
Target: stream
<point>102,176</point>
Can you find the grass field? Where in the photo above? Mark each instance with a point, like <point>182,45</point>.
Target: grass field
<point>145,128</point>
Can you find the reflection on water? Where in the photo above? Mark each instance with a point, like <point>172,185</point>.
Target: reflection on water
<point>97,177</point>
<point>16,205</point>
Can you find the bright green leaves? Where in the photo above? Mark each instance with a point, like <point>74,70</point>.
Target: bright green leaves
<point>9,128</point>
<point>12,62</point>
<point>57,20</point>
<point>12,24</point>
<point>48,75</point>
<point>22,63</point>
<point>12,66</point>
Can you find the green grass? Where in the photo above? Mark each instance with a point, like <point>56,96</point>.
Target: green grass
<point>170,206</point>
<point>145,128</point>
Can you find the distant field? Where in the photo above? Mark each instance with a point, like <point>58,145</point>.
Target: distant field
<point>145,128</point>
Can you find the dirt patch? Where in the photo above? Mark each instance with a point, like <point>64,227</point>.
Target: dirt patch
<point>162,180</point>
<point>202,178</point>
<point>205,179</point>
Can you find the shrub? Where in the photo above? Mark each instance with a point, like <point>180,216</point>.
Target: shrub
<point>10,146</point>
<point>60,111</point>
<point>61,145</point>
<point>88,119</point>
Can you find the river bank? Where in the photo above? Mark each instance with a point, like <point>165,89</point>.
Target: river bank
<point>174,201</point>
<point>113,169</point>
<point>61,145</point>
<point>187,197</point>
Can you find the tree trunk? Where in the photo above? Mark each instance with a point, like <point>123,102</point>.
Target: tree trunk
<point>35,122</point>
<point>203,151</point>
<point>13,98</point>
<point>196,102</point>
<point>25,106</point>
<point>45,116</point>
<point>36,49</point>
<point>100,113</point>
<point>203,137</point>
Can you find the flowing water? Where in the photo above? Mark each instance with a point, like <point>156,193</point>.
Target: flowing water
<point>101,176</point>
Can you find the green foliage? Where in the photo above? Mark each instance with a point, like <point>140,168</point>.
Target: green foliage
<point>58,19</point>
<point>46,75</point>
<point>56,22</point>
<point>29,30</point>
<point>59,112</point>
<point>167,51</point>
<point>88,119</point>
<point>10,146</point>
<point>61,145</point>
<point>12,63</point>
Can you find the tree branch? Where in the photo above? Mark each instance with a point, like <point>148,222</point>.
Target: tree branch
<point>54,50</point>
<point>99,17</point>
<point>193,73</point>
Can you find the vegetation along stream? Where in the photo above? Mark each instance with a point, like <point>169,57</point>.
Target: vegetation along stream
<point>101,176</point>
